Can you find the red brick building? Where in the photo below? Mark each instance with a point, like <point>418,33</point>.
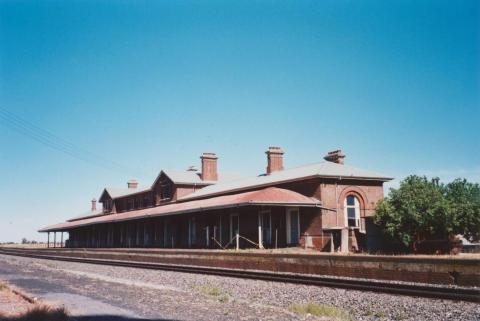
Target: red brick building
<point>327,206</point>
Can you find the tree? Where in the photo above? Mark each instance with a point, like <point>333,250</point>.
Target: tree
<point>423,209</point>
<point>464,198</point>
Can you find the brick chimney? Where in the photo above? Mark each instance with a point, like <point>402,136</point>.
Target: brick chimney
<point>132,183</point>
<point>336,156</point>
<point>94,204</point>
<point>209,167</point>
<point>274,159</point>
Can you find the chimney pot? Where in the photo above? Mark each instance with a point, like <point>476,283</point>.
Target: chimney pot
<point>209,167</point>
<point>132,183</point>
<point>335,156</point>
<point>94,204</point>
<point>274,159</point>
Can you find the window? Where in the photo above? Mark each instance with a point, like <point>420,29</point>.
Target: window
<point>107,205</point>
<point>129,204</point>
<point>352,211</point>
<point>293,225</point>
<point>166,191</point>
<point>146,201</point>
<point>138,203</point>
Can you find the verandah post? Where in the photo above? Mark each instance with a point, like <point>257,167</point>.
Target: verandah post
<point>276,238</point>
<point>332,247</point>
<point>237,241</point>
<point>48,239</point>
<point>260,241</point>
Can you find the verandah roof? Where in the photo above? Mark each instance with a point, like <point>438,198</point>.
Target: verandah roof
<point>268,196</point>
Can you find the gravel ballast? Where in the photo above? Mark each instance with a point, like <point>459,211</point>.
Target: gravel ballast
<point>184,296</point>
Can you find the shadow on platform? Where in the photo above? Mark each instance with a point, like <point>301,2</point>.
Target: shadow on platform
<point>112,318</point>
<point>83,318</point>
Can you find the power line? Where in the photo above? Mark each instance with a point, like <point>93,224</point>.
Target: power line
<point>46,138</point>
<point>57,143</point>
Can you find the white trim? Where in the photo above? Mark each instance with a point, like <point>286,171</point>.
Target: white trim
<point>356,206</point>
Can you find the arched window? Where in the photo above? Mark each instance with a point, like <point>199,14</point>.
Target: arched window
<point>352,211</point>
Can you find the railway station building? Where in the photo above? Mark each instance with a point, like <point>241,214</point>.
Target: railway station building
<point>326,206</point>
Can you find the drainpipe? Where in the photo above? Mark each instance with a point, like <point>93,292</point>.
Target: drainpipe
<point>336,202</point>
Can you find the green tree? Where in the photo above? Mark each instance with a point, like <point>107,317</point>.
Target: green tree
<point>464,199</point>
<point>426,209</point>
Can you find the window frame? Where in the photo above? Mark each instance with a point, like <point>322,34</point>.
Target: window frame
<point>356,206</point>
<point>166,191</point>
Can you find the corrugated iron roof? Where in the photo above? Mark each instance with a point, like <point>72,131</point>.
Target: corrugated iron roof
<point>192,177</point>
<point>115,192</point>
<point>323,169</point>
<point>268,196</point>
<point>86,215</point>
<point>177,177</point>
<point>183,177</point>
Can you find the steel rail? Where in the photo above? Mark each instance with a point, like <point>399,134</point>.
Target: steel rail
<point>420,290</point>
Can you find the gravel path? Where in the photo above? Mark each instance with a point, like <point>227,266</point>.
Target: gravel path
<point>88,289</point>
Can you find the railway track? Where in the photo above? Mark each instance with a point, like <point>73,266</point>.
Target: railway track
<point>420,290</point>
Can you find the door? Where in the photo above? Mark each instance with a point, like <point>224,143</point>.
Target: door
<point>265,226</point>
<point>192,232</point>
<point>293,226</point>
<point>234,225</point>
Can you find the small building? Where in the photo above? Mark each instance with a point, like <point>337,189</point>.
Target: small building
<point>326,206</point>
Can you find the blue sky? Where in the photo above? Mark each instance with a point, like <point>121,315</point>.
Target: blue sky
<point>151,85</point>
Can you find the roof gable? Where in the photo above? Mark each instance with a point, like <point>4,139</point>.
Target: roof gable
<point>104,195</point>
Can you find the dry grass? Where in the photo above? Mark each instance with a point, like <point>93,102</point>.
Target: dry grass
<point>40,313</point>
<point>24,246</point>
<point>214,292</point>
<point>25,310</point>
<point>320,310</point>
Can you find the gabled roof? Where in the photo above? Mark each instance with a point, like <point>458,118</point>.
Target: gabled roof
<point>121,192</point>
<point>181,177</point>
<point>271,196</point>
<point>192,177</point>
<point>323,169</point>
